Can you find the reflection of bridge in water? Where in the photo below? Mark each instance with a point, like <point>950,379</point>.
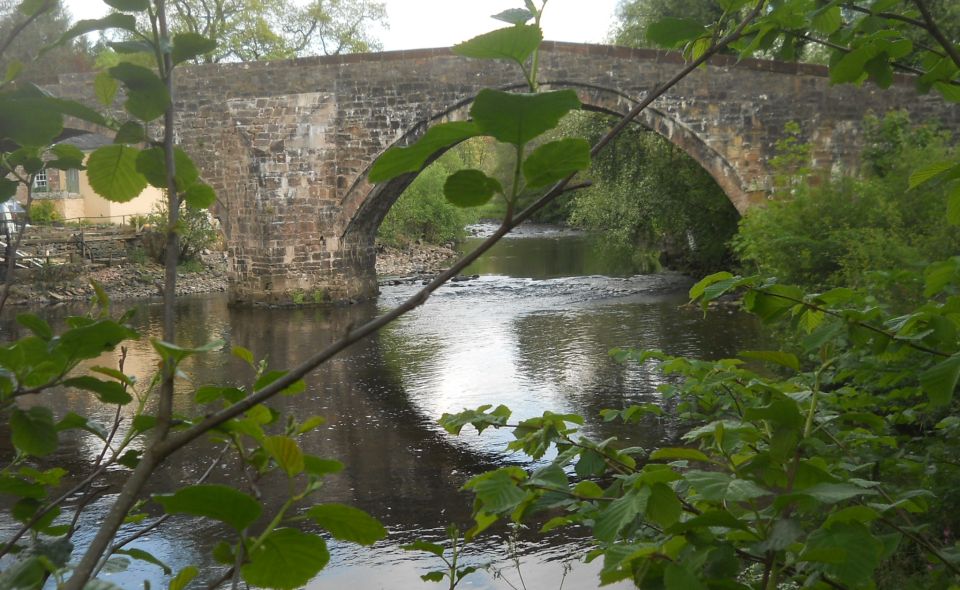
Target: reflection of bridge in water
<point>287,143</point>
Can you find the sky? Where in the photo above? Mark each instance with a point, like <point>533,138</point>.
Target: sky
<point>416,24</point>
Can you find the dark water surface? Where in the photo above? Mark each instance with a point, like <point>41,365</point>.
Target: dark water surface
<point>533,332</point>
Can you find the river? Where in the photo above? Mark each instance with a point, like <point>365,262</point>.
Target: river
<point>532,332</point>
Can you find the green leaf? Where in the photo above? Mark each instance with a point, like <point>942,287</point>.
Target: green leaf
<point>33,431</point>
<point>772,302</point>
<point>827,20</point>
<point>287,558</point>
<point>128,5</point>
<point>211,393</point>
<point>784,359</point>
<point>112,172</point>
<point>72,421</point>
<point>880,70</point>
<point>68,157</point>
<point>673,32</point>
<point>433,576</point>
<point>850,67</point>
<point>470,188</point>
<point>200,196</point>
<point>243,354</point>
<point>588,489</point>
<point>401,160</point>
<point>8,188</point>
<point>36,325</point>
<point>782,535</point>
<point>286,452</point>
<point>517,118</point>
<point>679,453</point>
<point>130,132</point>
<point>184,577</point>
<point>619,513</point>
<point>187,46</point>
<point>950,92</point>
<point>105,88</point>
<point>933,171</point>
<point>514,16</point>
<point>108,392</point>
<point>848,550</point>
<point>782,411</point>
<point>716,486</point>
<point>828,493</point>
<point>663,507</point>
<point>347,523</point>
<point>71,108</point>
<point>591,463</point>
<point>14,69</point>
<point>714,518</point>
<point>556,160</point>
<point>269,377</point>
<point>111,21</point>
<point>678,577</point>
<point>953,205</point>
<point>145,556</point>
<point>516,43</point>
<point>215,501</point>
<point>420,545</point>
<point>178,353</point>
<point>147,96</point>
<point>317,466</point>
<point>311,423</point>
<point>129,47</point>
<point>497,490</point>
<point>698,289</point>
<point>940,381</point>
<point>152,164</point>
<point>28,122</point>
<point>479,419</point>
<point>858,513</point>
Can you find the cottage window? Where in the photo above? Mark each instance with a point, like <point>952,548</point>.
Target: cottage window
<point>41,183</point>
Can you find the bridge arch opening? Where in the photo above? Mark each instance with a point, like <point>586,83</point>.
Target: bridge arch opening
<point>372,204</point>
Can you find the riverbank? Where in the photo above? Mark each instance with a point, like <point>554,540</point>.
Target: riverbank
<point>144,280</point>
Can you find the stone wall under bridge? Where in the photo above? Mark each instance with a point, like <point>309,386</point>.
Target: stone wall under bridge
<point>286,144</point>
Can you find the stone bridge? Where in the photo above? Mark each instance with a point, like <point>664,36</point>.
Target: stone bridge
<point>286,144</point>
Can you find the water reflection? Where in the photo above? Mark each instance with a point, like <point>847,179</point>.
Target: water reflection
<point>532,344</point>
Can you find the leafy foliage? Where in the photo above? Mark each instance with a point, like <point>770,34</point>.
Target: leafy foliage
<point>39,546</point>
<point>838,231</point>
<point>422,213</point>
<point>649,196</point>
<point>830,458</point>
<point>251,30</point>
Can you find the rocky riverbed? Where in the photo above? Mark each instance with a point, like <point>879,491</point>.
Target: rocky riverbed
<point>145,280</point>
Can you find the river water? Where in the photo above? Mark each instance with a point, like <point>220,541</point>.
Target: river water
<point>532,332</point>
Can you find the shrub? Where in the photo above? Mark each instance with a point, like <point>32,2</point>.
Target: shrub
<point>44,213</point>
<point>842,230</point>
<point>196,228</point>
<point>422,213</point>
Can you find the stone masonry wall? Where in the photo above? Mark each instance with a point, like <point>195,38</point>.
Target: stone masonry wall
<point>287,144</point>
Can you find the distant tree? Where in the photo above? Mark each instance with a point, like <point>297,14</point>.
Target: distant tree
<point>634,16</point>
<point>250,30</point>
<point>26,47</point>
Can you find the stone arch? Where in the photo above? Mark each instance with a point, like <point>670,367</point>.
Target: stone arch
<point>364,206</point>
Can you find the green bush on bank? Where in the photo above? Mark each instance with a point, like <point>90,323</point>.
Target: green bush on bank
<point>650,196</point>
<point>840,230</point>
<point>422,213</point>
